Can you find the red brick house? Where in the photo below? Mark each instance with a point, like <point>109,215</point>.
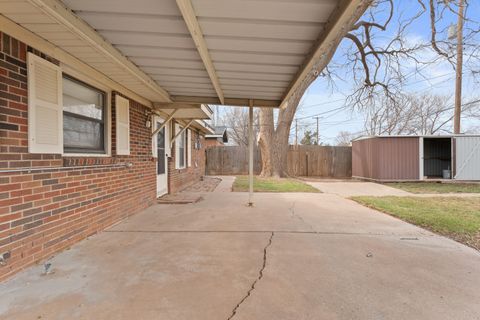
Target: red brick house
<point>218,138</point>
<point>77,155</point>
<point>102,102</point>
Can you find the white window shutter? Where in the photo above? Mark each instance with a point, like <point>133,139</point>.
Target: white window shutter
<point>45,106</point>
<point>122,116</point>
<point>189,147</point>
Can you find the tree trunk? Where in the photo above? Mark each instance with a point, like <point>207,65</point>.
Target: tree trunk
<point>273,142</point>
<point>265,141</point>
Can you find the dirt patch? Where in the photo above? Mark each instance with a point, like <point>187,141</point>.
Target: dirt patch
<point>472,241</point>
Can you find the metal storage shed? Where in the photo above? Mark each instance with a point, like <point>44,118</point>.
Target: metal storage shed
<point>406,158</point>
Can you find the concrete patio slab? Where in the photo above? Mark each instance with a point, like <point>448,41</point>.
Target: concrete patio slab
<point>307,277</point>
<point>292,212</point>
<point>357,188</point>
<point>292,256</point>
<point>225,184</point>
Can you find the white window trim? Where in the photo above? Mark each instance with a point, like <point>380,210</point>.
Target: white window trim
<point>108,124</point>
<point>167,127</point>
<point>189,148</point>
<point>178,128</point>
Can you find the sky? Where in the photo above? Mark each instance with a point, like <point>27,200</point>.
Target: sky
<point>329,103</point>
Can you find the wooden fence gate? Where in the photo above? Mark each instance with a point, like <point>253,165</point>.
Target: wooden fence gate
<point>318,161</point>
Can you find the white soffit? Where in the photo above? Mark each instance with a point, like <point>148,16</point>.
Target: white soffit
<point>30,16</point>
<point>191,112</point>
<point>257,47</point>
<point>154,36</point>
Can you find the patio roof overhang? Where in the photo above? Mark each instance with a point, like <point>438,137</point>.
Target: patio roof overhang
<point>229,52</point>
<point>191,114</point>
<point>185,111</point>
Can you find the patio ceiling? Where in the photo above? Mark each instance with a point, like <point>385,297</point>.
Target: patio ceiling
<point>186,111</point>
<point>191,51</point>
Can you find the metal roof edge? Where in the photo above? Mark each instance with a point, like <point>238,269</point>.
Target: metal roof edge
<point>416,136</point>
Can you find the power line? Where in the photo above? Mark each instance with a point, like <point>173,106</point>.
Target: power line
<point>406,77</point>
<point>347,106</point>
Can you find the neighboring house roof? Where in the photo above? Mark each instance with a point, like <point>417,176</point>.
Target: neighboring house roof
<point>220,133</point>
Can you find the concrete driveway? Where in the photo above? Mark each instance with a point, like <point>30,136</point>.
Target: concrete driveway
<point>292,256</point>
<point>357,188</point>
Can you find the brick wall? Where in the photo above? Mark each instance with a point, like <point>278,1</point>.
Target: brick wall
<point>43,211</point>
<point>179,179</point>
<point>213,142</point>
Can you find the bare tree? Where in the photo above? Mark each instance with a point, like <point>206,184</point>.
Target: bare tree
<point>236,120</point>
<point>380,69</point>
<point>413,114</point>
<point>344,138</point>
<point>364,55</point>
<point>274,135</point>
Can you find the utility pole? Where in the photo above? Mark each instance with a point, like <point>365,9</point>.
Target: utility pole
<point>317,141</point>
<point>459,68</point>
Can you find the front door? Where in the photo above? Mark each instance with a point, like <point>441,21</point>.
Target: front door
<point>162,163</point>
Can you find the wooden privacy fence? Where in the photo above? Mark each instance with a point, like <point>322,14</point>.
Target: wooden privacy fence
<point>231,160</point>
<point>319,161</point>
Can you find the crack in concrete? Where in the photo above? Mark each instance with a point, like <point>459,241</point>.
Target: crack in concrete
<point>294,215</point>
<point>292,210</point>
<point>260,276</point>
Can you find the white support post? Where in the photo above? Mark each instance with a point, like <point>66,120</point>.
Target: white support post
<point>250,154</point>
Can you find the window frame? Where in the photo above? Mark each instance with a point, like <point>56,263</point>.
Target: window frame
<point>189,147</point>
<point>106,115</point>
<point>177,147</point>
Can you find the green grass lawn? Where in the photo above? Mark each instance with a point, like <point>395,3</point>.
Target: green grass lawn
<point>433,187</point>
<point>457,218</point>
<point>272,185</point>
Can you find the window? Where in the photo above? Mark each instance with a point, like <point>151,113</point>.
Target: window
<point>189,148</point>
<point>180,148</point>
<point>83,118</point>
<point>161,150</point>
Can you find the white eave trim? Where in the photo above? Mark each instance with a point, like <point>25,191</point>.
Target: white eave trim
<point>208,112</point>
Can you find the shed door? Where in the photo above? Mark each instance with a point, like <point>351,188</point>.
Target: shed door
<point>467,152</point>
